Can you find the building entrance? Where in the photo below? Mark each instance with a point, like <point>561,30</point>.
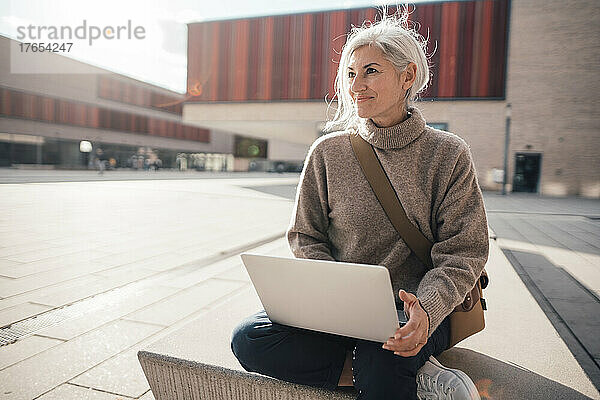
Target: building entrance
<point>527,172</point>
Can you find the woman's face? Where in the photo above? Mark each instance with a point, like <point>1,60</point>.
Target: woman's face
<point>376,88</point>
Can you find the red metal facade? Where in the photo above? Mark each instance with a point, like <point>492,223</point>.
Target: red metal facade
<point>19,104</point>
<point>116,90</point>
<point>294,57</point>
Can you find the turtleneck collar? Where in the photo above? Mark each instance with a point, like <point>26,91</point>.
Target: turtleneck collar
<point>393,137</point>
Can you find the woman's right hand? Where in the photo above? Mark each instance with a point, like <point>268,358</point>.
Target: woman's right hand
<point>410,339</point>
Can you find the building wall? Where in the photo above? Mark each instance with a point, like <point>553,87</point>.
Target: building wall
<point>481,124</point>
<point>67,132</point>
<point>552,85</point>
<point>295,57</point>
<point>95,105</point>
<point>81,87</point>
<point>279,150</point>
<point>16,103</point>
<point>554,93</point>
<point>554,90</point>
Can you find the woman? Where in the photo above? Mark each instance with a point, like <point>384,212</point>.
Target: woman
<point>337,217</point>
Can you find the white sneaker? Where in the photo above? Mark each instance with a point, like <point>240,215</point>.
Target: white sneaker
<point>436,382</point>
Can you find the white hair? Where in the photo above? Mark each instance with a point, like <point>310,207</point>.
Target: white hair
<point>400,45</point>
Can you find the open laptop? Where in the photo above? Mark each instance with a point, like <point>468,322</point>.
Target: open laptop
<point>347,299</point>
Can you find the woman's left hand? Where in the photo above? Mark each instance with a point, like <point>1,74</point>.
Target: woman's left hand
<point>410,339</point>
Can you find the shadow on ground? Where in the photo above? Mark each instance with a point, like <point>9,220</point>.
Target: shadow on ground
<point>573,310</point>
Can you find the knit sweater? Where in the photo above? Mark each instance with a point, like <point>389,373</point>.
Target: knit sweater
<point>337,217</point>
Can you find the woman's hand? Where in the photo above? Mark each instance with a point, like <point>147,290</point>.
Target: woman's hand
<point>409,339</point>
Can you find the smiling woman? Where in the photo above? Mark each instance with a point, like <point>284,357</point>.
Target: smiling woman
<point>338,217</point>
<point>400,74</point>
<point>376,88</point>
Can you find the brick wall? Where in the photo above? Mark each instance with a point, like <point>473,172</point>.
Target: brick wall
<point>554,91</point>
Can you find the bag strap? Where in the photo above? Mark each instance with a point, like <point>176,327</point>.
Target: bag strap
<point>388,198</point>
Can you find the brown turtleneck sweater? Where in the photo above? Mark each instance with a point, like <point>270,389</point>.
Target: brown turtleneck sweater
<point>338,218</point>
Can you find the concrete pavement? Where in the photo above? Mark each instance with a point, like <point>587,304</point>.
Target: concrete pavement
<point>13,175</point>
<point>132,259</point>
<point>116,265</point>
<point>554,246</point>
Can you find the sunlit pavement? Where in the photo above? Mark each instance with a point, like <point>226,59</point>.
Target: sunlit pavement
<point>553,248</point>
<point>168,245</point>
<point>135,258</point>
<point>12,175</point>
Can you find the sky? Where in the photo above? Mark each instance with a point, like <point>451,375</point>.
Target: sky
<point>160,58</point>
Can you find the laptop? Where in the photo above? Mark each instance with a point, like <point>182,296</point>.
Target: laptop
<point>354,300</point>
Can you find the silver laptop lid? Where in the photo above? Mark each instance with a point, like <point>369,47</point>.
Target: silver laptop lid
<point>354,300</point>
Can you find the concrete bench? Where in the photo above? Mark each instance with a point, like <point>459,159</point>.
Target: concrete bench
<point>518,356</point>
<point>197,363</point>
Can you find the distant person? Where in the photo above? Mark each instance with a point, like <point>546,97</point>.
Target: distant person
<point>100,161</point>
<point>337,217</point>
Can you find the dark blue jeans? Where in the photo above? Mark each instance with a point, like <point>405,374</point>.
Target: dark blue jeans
<point>317,359</point>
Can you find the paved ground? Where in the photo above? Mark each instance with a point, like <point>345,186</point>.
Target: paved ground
<point>111,266</point>
<point>160,251</point>
<point>554,245</point>
<point>12,175</point>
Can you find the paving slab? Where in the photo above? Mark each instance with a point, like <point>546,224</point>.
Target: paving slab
<point>47,370</point>
<point>148,396</point>
<point>567,228</point>
<point>519,355</point>
<point>536,204</point>
<point>129,256</point>
<point>68,391</point>
<point>11,238</point>
<point>6,265</point>
<point>577,306</point>
<point>73,291</point>
<point>223,319</point>
<point>40,254</point>
<point>140,241</point>
<point>556,253</point>
<point>10,251</point>
<point>200,274</point>
<point>64,290</point>
<point>565,239</point>
<point>503,229</point>
<point>161,262</point>
<point>19,312</point>
<point>21,269</point>
<point>584,271</point>
<point>218,244</point>
<point>184,303</point>
<point>583,318</point>
<point>96,237</point>
<point>25,348</point>
<point>127,272</point>
<point>47,278</point>
<point>121,306</point>
<point>113,278</point>
<point>121,374</point>
<point>238,272</point>
<point>208,367</point>
<point>5,280</point>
